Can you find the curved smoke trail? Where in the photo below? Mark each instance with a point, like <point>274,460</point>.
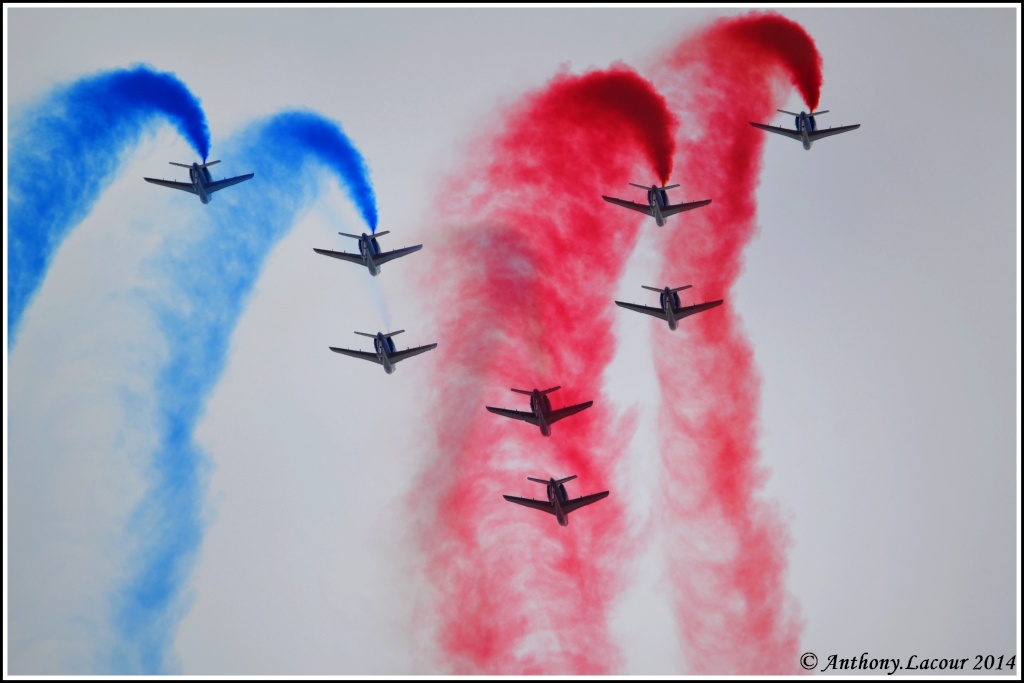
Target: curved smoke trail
<point>533,255</point>
<point>67,149</point>
<point>727,552</point>
<point>207,281</point>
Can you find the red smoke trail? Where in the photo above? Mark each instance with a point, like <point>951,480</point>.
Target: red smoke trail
<point>727,555</point>
<point>528,256</point>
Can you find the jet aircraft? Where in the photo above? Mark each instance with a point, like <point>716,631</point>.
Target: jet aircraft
<point>369,254</point>
<point>200,181</point>
<point>540,413</point>
<point>657,203</point>
<point>558,502</point>
<point>385,352</point>
<point>806,128</point>
<point>671,309</point>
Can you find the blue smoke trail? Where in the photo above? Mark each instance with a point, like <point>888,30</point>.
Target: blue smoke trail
<point>207,284</point>
<point>66,150</point>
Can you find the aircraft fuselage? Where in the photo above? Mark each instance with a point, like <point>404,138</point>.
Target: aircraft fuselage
<point>200,177</point>
<point>805,124</point>
<point>368,248</point>
<point>657,198</point>
<point>669,302</point>
<point>556,496</point>
<point>384,346</point>
<point>540,404</point>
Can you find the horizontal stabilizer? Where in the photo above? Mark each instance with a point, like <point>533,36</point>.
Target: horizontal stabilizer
<point>783,111</point>
<point>367,334</point>
<point>208,163</point>
<point>661,289</point>
<point>359,237</point>
<point>655,187</point>
<point>548,391</point>
<point>819,113</point>
<point>548,481</point>
<point>523,391</point>
<point>392,334</point>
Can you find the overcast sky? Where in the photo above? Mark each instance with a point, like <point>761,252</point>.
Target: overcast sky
<point>880,295</point>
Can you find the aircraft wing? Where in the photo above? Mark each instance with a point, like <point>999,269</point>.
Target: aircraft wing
<point>788,132</point>
<point>557,415</point>
<point>354,258</point>
<point>673,209</point>
<point>818,134</point>
<point>684,311</point>
<point>649,310</point>
<point>409,353</point>
<point>642,208</point>
<point>392,255</point>
<point>515,415</point>
<point>227,182</point>
<point>187,187</point>
<point>577,503</point>
<point>535,504</point>
<point>365,355</point>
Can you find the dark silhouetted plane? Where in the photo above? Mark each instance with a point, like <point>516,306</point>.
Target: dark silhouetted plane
<point>671,308</point>
<point>369,254</point>
<point>806,130</point>
<point>657,203</point>
<point>200,182</point>
<point>540,413</point>
<point>385,352</point>
<point>558,502</point>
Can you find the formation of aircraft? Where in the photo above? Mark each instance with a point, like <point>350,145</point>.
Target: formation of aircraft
<point>671,308</point>
<point>657,203</point>
<point>369,254</point>
<point>806,128</point>
<point>540,413</point>
<point>200,181</point>
<point>558,502</point>
<point>384,351</point>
